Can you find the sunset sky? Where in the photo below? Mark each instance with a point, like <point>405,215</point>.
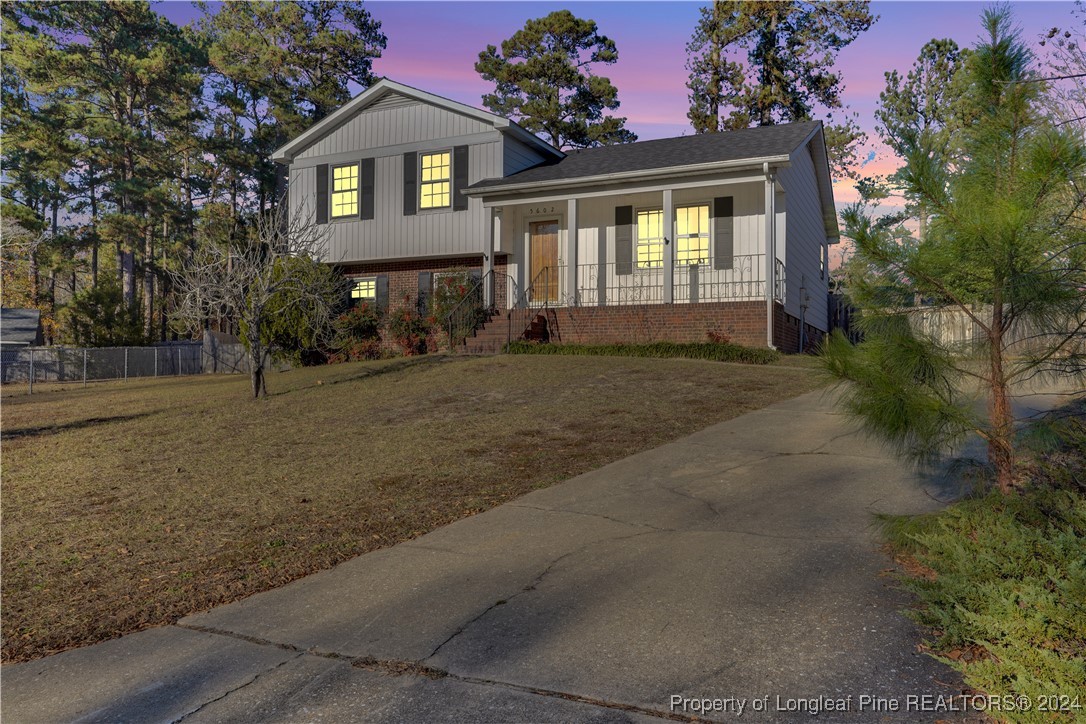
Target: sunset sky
<point>434,45</point>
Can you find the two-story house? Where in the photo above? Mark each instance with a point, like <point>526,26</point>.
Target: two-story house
<point>670,239</point>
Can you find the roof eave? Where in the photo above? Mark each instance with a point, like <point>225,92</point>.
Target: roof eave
<point>523,134</point>
<point>646,174</point>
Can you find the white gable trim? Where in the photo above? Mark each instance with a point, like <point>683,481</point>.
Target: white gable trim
<point>320,129</point>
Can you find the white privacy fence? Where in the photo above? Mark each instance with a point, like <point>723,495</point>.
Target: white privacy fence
<point>954,328</point>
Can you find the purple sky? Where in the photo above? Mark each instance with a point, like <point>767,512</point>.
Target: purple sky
<point>434,45</point>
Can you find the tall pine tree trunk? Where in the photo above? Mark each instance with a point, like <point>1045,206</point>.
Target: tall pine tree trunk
<point>148,283</point>
<point>94,231</point>
<point>1001,437</point>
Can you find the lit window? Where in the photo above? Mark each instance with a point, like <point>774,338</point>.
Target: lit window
<point>822,261</point>
<point>692,235</point>
<point>434,190</point>
<point>364,290</point>
<point>345,191</point>
<point>650,239</point>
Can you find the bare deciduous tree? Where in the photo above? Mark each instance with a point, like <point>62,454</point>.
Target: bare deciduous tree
<point>266,273</point>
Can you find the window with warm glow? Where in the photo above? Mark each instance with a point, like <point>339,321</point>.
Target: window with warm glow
<point>364,290</point>
<point>345,191</point>
<point>692,235</point>
<point>650,239</point>
<point>434,191</point>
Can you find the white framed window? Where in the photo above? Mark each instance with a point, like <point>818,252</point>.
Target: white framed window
<point>364,289</point>
<point>692,235</point>
<point>822,257</point>
<point>344,191</point>
<point>436,180</point>
<point>649,251</point>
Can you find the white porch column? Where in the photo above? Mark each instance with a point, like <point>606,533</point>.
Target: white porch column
<point>770,251</point>
<point>572,226</point>
<point>669,248</point>
<point>493,237</point>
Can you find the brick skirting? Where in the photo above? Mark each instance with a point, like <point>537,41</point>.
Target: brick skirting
<point>743,322</point>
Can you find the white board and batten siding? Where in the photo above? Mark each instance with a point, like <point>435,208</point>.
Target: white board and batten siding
<point>384,131</point>
<point>805,237</point>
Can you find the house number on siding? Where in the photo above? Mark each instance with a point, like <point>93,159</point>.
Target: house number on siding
<point>541,210</point>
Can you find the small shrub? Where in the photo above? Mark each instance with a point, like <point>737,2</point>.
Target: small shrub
<point>357,335</point>
<point>718,337</point>
<point>717,352</point>
<point>408,329</point>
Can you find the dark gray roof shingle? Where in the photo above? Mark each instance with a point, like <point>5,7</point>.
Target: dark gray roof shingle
<point>20,326</point>
<point>664,153</point>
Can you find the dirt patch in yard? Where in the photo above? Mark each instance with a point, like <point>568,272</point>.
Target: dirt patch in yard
<point>131,505</point>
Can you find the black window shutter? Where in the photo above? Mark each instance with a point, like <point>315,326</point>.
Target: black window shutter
<point>410,183</point>
<point>723,233</point>
<point>425,285</point>
<point>366,188</point>
<point>460,178</point>
<point>349,291</point>
<point>382,292</point>
<point>322,194</point>
<point>624,242</point>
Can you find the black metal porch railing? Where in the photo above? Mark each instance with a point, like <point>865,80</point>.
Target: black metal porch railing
<point>613,284</point>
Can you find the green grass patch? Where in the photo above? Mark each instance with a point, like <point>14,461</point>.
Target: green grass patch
<point>1002,582</point>
<point>712,351</point>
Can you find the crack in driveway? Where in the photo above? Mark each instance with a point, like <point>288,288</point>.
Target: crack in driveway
<point>238,688</point>
<point>531,586</point>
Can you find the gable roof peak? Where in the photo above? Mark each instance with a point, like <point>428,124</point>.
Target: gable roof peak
<point>382,88</point>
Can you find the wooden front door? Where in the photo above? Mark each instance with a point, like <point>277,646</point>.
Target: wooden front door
<point>543,239</point>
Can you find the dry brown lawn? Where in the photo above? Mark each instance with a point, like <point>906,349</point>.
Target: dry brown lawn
<point>129,505</point>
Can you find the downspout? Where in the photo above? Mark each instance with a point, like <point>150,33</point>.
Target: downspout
<point>770,249</point>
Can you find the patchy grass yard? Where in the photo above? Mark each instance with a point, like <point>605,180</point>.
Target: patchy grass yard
<point>130,505</point>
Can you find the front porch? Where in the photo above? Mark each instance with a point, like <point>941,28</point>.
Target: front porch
<point>697,242</point>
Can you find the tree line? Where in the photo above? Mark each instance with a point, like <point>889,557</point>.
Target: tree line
<point>129,140</point>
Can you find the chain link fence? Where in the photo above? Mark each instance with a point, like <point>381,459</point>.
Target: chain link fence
<point>34,365</point>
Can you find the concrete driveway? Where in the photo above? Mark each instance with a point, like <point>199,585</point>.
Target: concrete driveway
<point>737,565</point>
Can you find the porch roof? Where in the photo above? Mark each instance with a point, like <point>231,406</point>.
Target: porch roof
<point>729,149</point>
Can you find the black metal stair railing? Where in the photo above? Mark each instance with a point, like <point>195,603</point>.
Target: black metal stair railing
<point>470,313</point>
<point>530,304</point>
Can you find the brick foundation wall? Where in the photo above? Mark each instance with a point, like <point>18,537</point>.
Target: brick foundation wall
<point>403,276</point>
<point>743,322</point>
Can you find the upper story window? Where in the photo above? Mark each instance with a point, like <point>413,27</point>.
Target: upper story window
<point>650,239</point>
<point>344,191</point>
<point>434,191</point>
<point>823,254</point>
<point>692,235</point>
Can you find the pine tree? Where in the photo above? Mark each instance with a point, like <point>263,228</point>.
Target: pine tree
<point>543,79</point>
<point>790,50</point>
<point>1006,249</point>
